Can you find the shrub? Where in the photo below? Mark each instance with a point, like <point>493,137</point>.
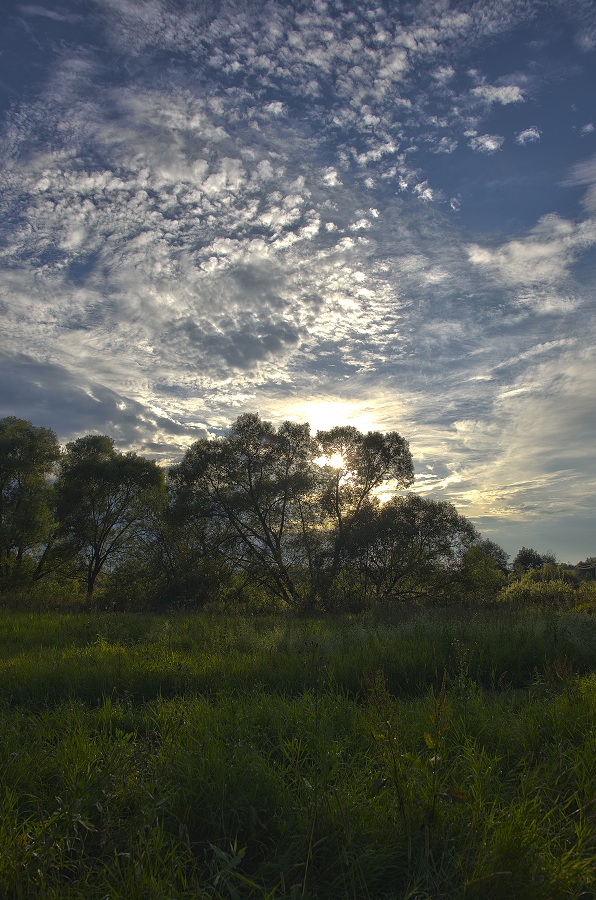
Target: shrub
<point>544,592</point>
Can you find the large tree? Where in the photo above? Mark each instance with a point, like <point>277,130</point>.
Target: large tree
<point>103,498</point>
<point>251,484</point>
<point>357,465</point>
<point>408,546</point>
<point>283,510</point>
<point>28,455</point>
<point>527,558</point>
<point>484,570</point>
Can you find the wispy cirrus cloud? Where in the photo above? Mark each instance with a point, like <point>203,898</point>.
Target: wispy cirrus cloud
<point>32,9</point>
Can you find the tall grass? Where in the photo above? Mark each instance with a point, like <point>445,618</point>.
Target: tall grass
<point>447,756</point>
<point>47,658</point>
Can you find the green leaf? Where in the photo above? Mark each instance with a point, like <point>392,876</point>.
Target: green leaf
<point>430,741</point>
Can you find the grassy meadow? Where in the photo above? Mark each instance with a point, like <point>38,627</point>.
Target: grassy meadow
<point>422,754</point>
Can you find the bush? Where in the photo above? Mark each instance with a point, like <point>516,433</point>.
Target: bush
<point>544,592</point>
<point>586,597</point>
<point>44,595</point>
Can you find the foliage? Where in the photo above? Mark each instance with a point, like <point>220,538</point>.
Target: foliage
<point>260,497</point>
<point>586,569</point>
<point>493,552</point>
<point>27,457</point>
<point>482,572</point>
<point>251,485</point>
<point>408,547</point>
<point>357,465</point>
<point>102,499</point>
<point>527,559</point>
<point>264,516</point>
<point>549,584</point>
<point>545,592</point>
<point>552,572</point>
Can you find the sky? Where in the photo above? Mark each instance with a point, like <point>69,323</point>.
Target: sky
<point>378,213</point>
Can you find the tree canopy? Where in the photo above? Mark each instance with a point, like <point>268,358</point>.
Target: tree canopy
<point>298,517</point>
<point>253,480</point>
<point>28,455</point>
<point>102,499</point>
<point>528,558</point>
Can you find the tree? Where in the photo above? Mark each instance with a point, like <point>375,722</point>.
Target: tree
<point>358,464</point>
<point>28,456</point>
<point>494,552</point>
<point>287,516</point>
<point>193,544</point>
<point>253,481</point>
<point>409,546</point>
<point>102,500</point>
<point>527,559</point>
<point>484,570</point>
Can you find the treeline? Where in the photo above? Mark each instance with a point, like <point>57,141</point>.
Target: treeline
<point>264,515</point>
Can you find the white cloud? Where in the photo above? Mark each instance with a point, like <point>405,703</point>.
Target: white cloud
<point>331,177</point>
<point>360,225</point>
<point>584,173</point>
<point>446,145</point>
<point>544,256</point>
<point>506,94</point>
<point>34,10</point>
<point>444,73</point>
<point>423,190</point>
<point>276,108</point>
<point>528,135</point>
<point>486,143</point>
<point>552,399</point>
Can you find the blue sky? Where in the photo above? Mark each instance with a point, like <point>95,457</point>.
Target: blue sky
<point>376,213</point>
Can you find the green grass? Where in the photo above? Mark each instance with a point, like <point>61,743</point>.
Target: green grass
<point>439,755</point>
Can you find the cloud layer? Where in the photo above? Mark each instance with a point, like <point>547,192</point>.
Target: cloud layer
<point>326,210</point>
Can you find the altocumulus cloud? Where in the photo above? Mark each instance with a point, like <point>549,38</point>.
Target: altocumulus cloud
<point>318,210</point>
